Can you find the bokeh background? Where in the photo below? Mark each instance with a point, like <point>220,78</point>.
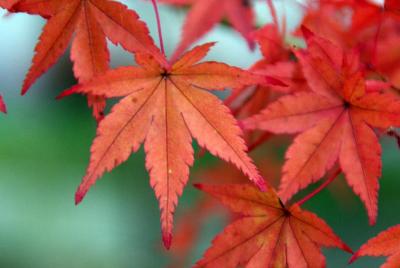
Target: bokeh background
<point>44,150</point>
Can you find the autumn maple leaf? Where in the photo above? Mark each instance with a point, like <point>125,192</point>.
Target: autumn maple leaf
<point>387,243</point>
<point>371,31</point>
<point>3,107</point>
<point>187,232</point>
<point>336,120</point>
<point>367,13</point>
<point>7,3</point>
<point>165,108</point>
<point>393,6</point>
<point>387,63</point>
<point>268,234</point>
<point>88,23</point>
<point>276,61</point>
<point>330,19</point>
<point>205,14</point>
<point>190,222</point>
<point>275,64</point>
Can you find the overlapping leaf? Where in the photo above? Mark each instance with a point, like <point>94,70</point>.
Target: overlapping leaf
<point>335,121</point>
<point>190,223</point>
<point>373,30</point>
<point>205,14</point>
<point>387,244</point>
<point>276,62</point>
<point>87,23</point>
<point>268,234</point>
<point>283,76</point>
<point>7,3</point>
<point>164,108</point>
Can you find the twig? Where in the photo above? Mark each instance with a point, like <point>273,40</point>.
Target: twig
<point>320,188</point>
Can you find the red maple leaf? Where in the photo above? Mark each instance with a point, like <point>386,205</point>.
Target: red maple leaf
<point>205,14</point>
<point>373,32</point>
<point>189,225</point>
<point>282,76</point>
<point>367,13</point>
<point>277,62</point>
<point>188,230</point>
<point>87,23</point>
<point>336,120</point>
<point>164,108</point>
<point>387,63</point>
<point>393,6</point>
<point>3,107</point>
<point>387,243</point>
<point>268,234</point>
<point>7,4</point>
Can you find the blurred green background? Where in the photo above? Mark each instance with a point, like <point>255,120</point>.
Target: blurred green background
<point>44,150</point>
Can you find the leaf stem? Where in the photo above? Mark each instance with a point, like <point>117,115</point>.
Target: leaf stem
<point>272,10</point>
<point>320,188</point>
<point>160,36</point>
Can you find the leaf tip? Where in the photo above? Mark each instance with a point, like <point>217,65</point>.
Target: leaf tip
<point>198,186</point>
<point>167,239</point>
<point>79,195</point>
<point>307,33</point>
<point>274,81</point>
<point>66,93</point>
<point>347,248</point>
<point>3,107</point>
<point>211,44</point>
<point>24,90</point>
<point>354,257</point>
<point>372,219</point>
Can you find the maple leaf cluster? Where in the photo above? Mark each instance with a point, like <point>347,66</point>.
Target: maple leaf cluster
<point>337,94</point>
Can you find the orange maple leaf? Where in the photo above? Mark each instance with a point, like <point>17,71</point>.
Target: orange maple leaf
<point>90,22</point>
<point>387,243</point>
<point>336,120</point>
<point>268,234</point>
<point>189,224</point>
<point>164,109</point>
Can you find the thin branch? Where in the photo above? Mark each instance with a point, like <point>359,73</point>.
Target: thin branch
<point>320,188</point>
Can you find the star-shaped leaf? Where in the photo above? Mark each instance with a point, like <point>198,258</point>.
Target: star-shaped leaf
<point>268,234</point>
<point>336,122</point>
<point>164,108</point>
<point>87,23</point>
